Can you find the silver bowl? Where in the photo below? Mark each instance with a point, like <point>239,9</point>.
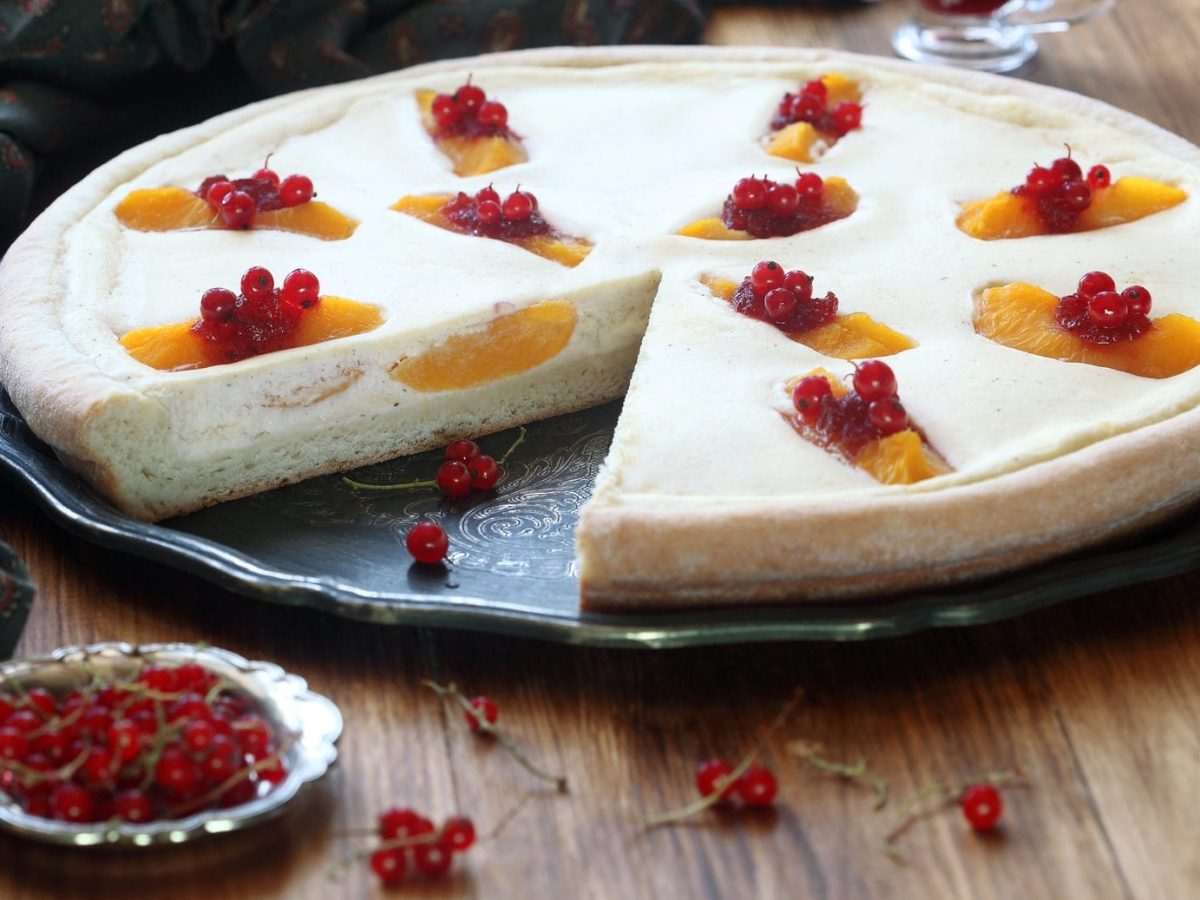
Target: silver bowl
<point>311,722</point>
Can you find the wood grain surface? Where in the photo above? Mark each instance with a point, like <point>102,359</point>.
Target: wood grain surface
<point>1097,699</point>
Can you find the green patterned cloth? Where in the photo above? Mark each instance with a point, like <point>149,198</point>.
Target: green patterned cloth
<point>82,79</point>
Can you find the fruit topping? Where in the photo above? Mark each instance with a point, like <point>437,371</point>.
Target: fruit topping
<point>515,218</point>
<point>867,425</point>
<point>159,742</point>
<point>812,321</point>
<point>762,208</point>
<point>471,129</point>
<point>813,118</point>
<point>237,200</point>
<point>1061,198</point>
<point>1096,324</point>
<point>509,344</point>
<point>261,319</point>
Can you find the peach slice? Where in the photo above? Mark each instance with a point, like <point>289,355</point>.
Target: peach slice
<point>901,458</point>
<point>852,336</point>
<point>560,248</point>
<point>471,156</point>
<point>839,201</point>
<point>177,209</point>
<point>1125,200</point>
<point>1021,316</point>
<point>176,346</point>
<point>795,141</point>
<point>508,345</point>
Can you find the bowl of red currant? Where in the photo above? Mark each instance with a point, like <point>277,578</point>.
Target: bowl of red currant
<point>117,745</point>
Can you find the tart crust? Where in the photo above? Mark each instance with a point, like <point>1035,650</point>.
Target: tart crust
<point>638,548</point>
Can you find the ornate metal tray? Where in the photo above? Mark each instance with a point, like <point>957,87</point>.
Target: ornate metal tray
<point>326,545</point>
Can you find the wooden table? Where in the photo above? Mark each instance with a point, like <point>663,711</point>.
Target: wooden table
<point>1096,698</point>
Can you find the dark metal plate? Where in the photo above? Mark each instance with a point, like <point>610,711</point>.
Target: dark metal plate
<point>324,544</point>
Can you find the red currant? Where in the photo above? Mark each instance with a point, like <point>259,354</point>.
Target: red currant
<point>1099,177</point>
<point>484,708</point>
<point>765,276</point>
<point>783,199</point>
<point>237,209</point>
<point>982,806</point>
<point>432,860</point>
<point>1093,283</point>
<point>808,394</point>
<point>469,97</point>
<point>816,88</point>
<point>1040,181</point>
<point>301,289</point>
<point>1077,196</point>
<point>1108,309</point>
<point>1138,299</point>
<point>295,189</point>
<point>427,543</point>
<point>779,304</point>
<point>445,110</point>
<point>756,787</point>
<point>453,479</point>
<point>134,806</point>
<point>848,115</point>
<point>887,415</point>
<point>517,206</point>
<point>810,185</point>
<point>258,285</point>
<point>458,833</point>
<point>14,745</point>
<point>806,107</point>
<point>267,175</point>
<point>42,701</point>
<point>72,803</point>
<point>492,113</point>
<point>750,193</point>
<point>800,284</point>
<point>218,304</point>
<point>217,192</point>
<point>1066,169</point>
<point>389,865</point>
<point>463,451</point>
<point>175,770</point>
<point>484,472</point>
<point>712,776</point>
<point>874,380</point>
<point>399,823</point>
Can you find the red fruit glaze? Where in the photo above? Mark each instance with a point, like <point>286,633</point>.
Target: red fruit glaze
<point>427,543</point>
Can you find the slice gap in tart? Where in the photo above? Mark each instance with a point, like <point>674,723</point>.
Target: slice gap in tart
<point>516,219</point>
<point>763,208</point>
<point>866,427</point>
<point>262,319</point>
<point>813,322</point>
<point>1062,200</point>
<point>1029,318</point>
<point>511,343</point>
<point>263,200</point>
<point>470,130</point>
<point>810,121</point>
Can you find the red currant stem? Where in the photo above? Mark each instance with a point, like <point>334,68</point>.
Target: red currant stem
<point>27,701</point>
<point>233,780</point>
<point>57,722</point>
<point>698,806</point>
<point>513,811</point>
<point>404,486</point>
<point>150,760</point>
<point>513,446</point>
<point>65,773</point>
<point>451,691</point>
<point>911,810</point>
<point>859,772</point>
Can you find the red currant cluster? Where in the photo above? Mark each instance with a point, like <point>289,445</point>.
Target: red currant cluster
<point>469,113</point>
<point>262,318</point>
<point>466,469</point>
<point>785,299</point>
<point>811,105</point>
<point>1098,314</point>
<point>164,743</point>
<point>485,214</point>
<point>1060,193</point>
<point>872,410</point>
<point>407,835</point>
<point>767,208</point>
<point>756,786</point>
<point>237,200</point>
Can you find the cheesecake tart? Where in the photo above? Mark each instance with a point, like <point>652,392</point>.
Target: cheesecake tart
<point>663,165</point>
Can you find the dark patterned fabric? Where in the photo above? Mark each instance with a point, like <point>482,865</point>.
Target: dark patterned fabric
<point>82,79</point>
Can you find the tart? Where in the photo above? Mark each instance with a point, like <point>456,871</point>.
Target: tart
<point>710,494</point>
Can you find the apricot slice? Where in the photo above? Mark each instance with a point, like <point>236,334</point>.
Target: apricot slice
<point>1021,316</point>
<point>901,458</point>
<point>177,209</point>
<point>508,345</point>
<point>795,141</point>
<point>838,201</point>
<point>176,347</point>
<point>471,156</point>
<point>1125,200</point>
<point>560,248</point>
<point>852,336</point>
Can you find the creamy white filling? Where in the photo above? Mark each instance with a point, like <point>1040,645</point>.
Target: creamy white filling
<point>624,156</point>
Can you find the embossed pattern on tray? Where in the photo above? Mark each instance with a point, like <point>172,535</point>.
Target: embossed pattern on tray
<point>326,545</point>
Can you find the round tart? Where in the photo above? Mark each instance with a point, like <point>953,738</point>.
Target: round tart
<point>709,494</point>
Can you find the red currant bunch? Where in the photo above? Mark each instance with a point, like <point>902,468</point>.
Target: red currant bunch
<point>237,200</point>
<point>756,786</point>
<point>159,743</point>
<point>870,411</point>
<point>1098,314</point>
<point>811,104</point>
<point>410,839</point>
<point>466,469</point>
<point>1060,193</point>
<point>783,298</point>
<point>765,208</point>
<point>261,319</point>
<point>468,113</point>
<point>484,213</point>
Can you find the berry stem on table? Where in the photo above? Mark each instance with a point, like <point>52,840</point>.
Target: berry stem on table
<point>859,772</point>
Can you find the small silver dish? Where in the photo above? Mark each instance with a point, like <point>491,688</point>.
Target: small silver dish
<point>311,722</point>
